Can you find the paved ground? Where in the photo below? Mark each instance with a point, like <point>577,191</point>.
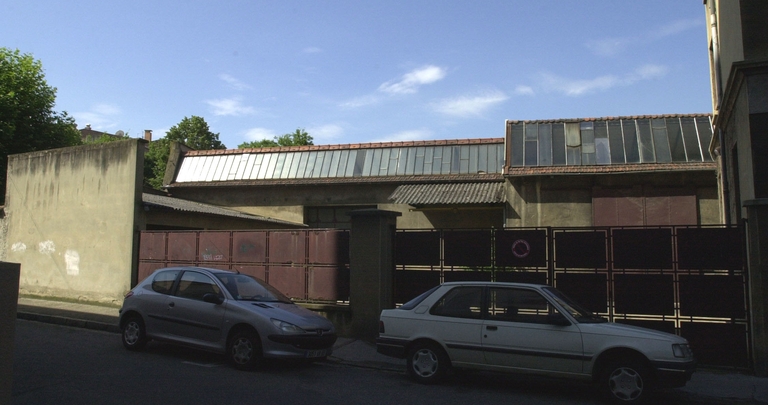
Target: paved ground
<point>706,385</point>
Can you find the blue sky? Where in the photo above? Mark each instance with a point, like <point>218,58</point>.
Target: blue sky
<point>362,71</point>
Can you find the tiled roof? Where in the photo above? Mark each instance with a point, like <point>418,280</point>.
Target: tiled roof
<point>625,117</point>
<point>350,146</point>
<point>449,193</point>
<point>178,204</point>
<point>605,169</point>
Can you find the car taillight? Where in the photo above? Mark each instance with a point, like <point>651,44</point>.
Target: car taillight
<point>130,294</point>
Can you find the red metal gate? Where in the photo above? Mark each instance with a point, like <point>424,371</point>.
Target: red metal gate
<point>311,265</point>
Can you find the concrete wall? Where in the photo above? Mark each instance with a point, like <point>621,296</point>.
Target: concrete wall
<point>73,219</point>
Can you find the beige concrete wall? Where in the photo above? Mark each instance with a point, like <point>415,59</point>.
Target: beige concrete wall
<point>73,219</point>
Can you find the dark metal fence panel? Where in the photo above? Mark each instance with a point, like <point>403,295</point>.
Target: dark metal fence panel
<point>308,265</point>
<point>688,280</point>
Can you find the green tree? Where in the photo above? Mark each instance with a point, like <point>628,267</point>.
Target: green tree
<point>298,138</point>
<point>193,132</point>
<point>27,120</point>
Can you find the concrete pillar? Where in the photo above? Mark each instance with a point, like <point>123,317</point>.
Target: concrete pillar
<point>9,299</point>
<point>372,269</point>
<point>757,256</point>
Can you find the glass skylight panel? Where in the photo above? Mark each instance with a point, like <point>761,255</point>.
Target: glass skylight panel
<point>616,141</point>
<point>295,159</point>
<point>227,173</point>
<point>482,159</point>
<point>394,154</point>
<point>602,147</point>
<point>410,160</point>
<point>558,144</point>
<point>545,145</point>
<point>473,158</point>
<point>280,164</point>
<point>629,128</point>
<point>303,158</point>
<point>573,143</point>
<point>455,160</point>
<point>661,141</point>
<point>676,141</point>
<point>342,163</point>
<point>437,159</point>
<point>350,169</point>
<point>429,156</point>
<point>326,167</point>
<point>264,166</point>
<point>359,162</point>
<point>692,147</point>
<point>517,145</point>
<point>645,142</point>
<point>704,127</point>
<point>418,167</point>
<point>532,144</point>
<point>587,143</point>
<point>217,166</point>
<point>447,160</point>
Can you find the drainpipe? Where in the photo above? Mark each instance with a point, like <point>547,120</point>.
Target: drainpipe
<point>718,98</point>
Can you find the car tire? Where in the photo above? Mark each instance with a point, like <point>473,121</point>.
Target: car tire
<point>626,382</point>
<point>244,350</point>
<point>427,363</point>
<point>133,332</point>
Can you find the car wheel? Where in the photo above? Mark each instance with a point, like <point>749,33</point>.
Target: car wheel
<point>427,363</point>
<point>626,382</point>
<point>134,335</point>
<point>244,350</point>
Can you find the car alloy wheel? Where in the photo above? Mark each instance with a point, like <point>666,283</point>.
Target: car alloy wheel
<point>427,363</point>
<point>134,336</point>
<point>245,350</point>
<point>626,382</point>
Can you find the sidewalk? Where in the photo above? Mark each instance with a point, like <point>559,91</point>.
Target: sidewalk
<point>706,385</point>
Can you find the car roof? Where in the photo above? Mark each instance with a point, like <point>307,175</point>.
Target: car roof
<point>492,283</point>
<point>208,269</point>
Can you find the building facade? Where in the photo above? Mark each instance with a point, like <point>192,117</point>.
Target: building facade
<point>738,55</point>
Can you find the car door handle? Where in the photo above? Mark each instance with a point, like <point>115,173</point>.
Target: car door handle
<point>491,327</point>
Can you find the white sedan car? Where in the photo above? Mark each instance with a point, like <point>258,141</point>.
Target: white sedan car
<point>527,328</point>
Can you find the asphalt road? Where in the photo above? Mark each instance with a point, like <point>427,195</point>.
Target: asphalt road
<point>63,365</point>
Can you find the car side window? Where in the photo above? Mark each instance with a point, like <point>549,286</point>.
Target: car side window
<point>195,285</point>
<point>518,305</point>
<point>163,281</point>
<point>460,302</point>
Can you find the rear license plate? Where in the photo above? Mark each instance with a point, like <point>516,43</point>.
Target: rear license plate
<point>311,354</point>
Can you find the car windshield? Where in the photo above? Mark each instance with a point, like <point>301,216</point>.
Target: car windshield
<point>247,288</point>
<point>577,311</point>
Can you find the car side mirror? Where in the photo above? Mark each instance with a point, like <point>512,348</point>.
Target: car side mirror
<point>213,298</point>
<point>557,319</point>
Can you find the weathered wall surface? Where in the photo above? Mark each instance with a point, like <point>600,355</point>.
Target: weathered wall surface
<point>72,219</point>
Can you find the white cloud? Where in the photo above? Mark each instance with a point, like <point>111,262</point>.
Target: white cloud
<point>410,135</point>
<point>258,134</point>
<point>469,106</point>
<point>411,81</point>
<point>101,117</point>
<point>360,102</point>
<point>234,82</point>
<point>578,87</point>
<point>230,106</point>
<point>614,46</point>
<point>325,134</point>
<point>523,90</point>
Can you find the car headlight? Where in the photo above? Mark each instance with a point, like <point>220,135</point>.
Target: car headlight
<point>682,351</point>
<point>286,327</point>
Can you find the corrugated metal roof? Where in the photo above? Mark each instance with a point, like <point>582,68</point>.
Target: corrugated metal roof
<point>192,206</point>
<point>449,193</point>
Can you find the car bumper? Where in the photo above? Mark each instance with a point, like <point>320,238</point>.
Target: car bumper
<point>673,375</point>
<point>391,347</point>
<point>299,346</point>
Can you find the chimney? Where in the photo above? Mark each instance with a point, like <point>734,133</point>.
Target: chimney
<point>148,135</point>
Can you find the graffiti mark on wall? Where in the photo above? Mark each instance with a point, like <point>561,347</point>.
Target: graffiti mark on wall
<point>46,247</point>
<point>72,258</point>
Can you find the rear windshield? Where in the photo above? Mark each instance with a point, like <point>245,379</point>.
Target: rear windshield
<point>416,301</point>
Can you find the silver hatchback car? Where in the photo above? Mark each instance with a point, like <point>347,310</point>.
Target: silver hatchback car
<point>223,312</point>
